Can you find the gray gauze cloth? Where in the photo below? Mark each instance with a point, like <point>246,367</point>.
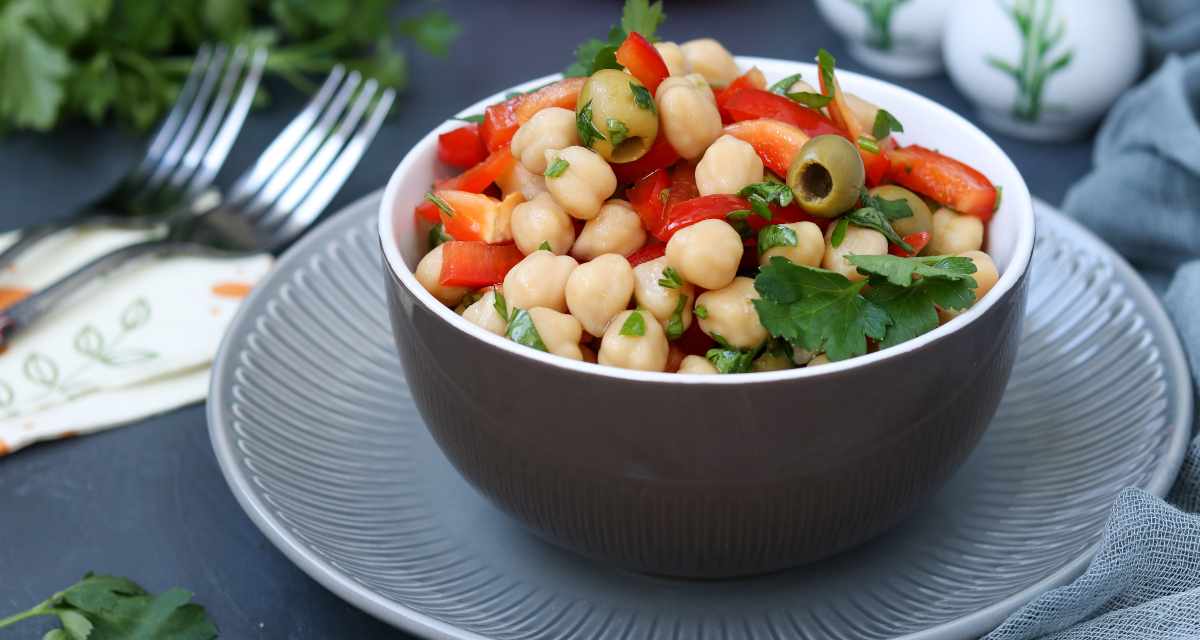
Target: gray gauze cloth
<point>1143,197</point>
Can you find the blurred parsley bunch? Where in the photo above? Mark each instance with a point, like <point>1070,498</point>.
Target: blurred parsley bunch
<point>61,59</point>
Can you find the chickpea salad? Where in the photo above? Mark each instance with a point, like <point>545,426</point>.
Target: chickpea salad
<point>661,209</point>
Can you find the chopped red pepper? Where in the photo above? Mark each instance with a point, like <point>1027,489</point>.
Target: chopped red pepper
<point>475,216</point>
<point>660,155</point>
<point>473,180</point>
<point>643,61</point>
<point>476,264</point>
<point>916,240</point>
<point>652,250</point>
<point>946,180</point>
<point>501,120</point>
<point>647,199</point>
<point>462,147</point>
<point>752,79</point>
<point>689,212</point>
<point>754,104</point>
<point>776,142</point>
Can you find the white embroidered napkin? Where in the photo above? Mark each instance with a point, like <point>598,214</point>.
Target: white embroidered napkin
<point>138,344</point>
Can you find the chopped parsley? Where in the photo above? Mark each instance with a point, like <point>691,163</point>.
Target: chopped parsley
<point>728,360</point>
<point>885,124</point>
<point>781,87</point>
<point>810,99</point>
<point>670,279</point>
<point>737,220</point>
<point>522,330</point>
<point>595,54</point>
<point>556,168</point>
<point>545,246</point>
<point>642,97</point>
<point>617,131</point>
<point>763,194</point>
<point>675,323</point>
<point>839,232</point>
<point>826,63</point>
<point>877,213</point>
<point>441,204</point>
<point>775,235</point>
<point>634,325</point>
<point>474,117</point>
<point>701,311</point>
<point>438,236</point>
<point>999,197</point>
<point>500,304</point>
<point>588,133</point>
<point>866,143</point>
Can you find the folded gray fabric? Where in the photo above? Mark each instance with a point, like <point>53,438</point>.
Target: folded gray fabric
<point>1143,197</point>
<point>1170,26</point>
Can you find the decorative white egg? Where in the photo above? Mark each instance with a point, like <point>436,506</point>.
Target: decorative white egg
<point>1042,69</point>
<point>897,37</point>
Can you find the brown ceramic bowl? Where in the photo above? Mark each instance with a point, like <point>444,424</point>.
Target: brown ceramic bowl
<point>713,476</point>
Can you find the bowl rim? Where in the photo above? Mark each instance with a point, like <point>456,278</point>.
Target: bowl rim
<point>1016,195</point>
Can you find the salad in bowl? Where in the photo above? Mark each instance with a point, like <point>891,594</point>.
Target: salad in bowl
<point>673,212</point>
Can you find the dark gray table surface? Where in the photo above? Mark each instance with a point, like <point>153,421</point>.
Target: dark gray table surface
<point>148,500</point>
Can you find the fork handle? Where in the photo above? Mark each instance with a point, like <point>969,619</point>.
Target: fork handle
<point>24,313</point>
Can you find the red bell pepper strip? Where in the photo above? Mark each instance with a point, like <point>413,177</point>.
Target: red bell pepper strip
<point>946,180</point>
<point>652,250</point>
<point>916,240</point>
<point>643,61</point>
<point>660,155</point>
<point>752,79</point>
<point>475,216</point>
<point>476,264</point>
<point>462,147</point>
<point>689,212</point>
<point>647,199</point>
<point>501,120</point>
<point>876,164</point>
<point>754,104</point>
<point>473,180</point>
<point>776,142</point>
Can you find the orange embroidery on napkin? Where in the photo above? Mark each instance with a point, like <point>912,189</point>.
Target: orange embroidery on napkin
<point>232,289</point>
<point>12,295</point>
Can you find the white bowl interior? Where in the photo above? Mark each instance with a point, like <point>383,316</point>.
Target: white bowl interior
<point>1010,233</point>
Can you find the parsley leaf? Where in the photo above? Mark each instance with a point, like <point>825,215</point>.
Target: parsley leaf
<point>642,17</point>
<point>701,311</point>
<point>440,203</point>
<point>475,117</point>
<point>522,330</point>
<point>866,143</point>
<point>910,302</point>
<point>900,271</point>
<point>891,209</point>
<point>775,235</point>
<point>885,124</point>
<point>781,87</point>
<point>872,218</point>
<point>556,168</point>
<point>595,54</point>
<point>500,304</point>
<point>826,64</point>
<point>438,235</point>
<point>642,97</point>
<point>810,100</point>
<point>670,279</point>
<point>34,72</point>
<point>634,325</point>
<point>839,232</point>
<point>737,220</point>
<point>617,131</point>
<point>110,608</point>
<point>817,310</point>
<point>545,246</point>
<point>731,360</point>
<point>588,133</point>
<point>762,194</point>
<point>674,326</point>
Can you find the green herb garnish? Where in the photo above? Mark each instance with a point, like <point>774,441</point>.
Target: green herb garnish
<point>826,63</point>
<point>731,360</point>
<point>634,325</point>
<point>438,236</point>
<point>642,97</point>
<point>911,303</point>
<point>810,100</point>
<point>475,117</point>
<point>839,232</point>
<point>522,330</point>
<point>775,235</point>
<point>556,168</point>
<point>737,220</point>
<point>868,144</point>
<point>885,124</point>
<point>595,54</point>
<point>782,87</point>
<point>545,246</point>
<point>588,133</point>
<point>112,608</point>
<point>500,304</point>
<point>441,204</point>
<point>701,311</point>
<point>877,213</point>
<point>670,279</point>
<point>675,323</point>
<point>617,131</point>
<point>763,194</point>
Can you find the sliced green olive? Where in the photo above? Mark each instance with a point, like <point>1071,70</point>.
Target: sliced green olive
<point>921,218</point>
<point>628,125</point>
<point>827,176</point>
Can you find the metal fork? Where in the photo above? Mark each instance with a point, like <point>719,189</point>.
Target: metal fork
<point>185,154</point>
<point>269,206</point>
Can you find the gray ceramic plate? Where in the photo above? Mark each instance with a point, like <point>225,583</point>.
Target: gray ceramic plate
<point>317,435</point>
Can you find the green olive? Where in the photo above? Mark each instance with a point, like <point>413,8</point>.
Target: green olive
<point>920,220</point>
<point>827,176</point>
<point>628,129</point>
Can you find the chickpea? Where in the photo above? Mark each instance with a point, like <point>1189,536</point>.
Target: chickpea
<point>954,233</point>
<point>864,111</point>
<point>539,221</point>
<point>706,253</point>
<point>688,114</point>
<point>584,185</point>
<point>429,272</point>
<point>662,301</point>
<point>772,361</point>
<point>540,280</point>
<point>560,332</point>
<point>599,290</point>
<point>985,274</point>
<point>731,314</point>
<point>858,241</point>
<point>818,360</point>
<point>920,220</point>
<point>483,313</point>
<point>810,246</point>
<point>616,229</point>
<point>711,60</point>
<point>728,165</point>
<point>673,56</point>
<point>520,180</point>
<point>647,352</point>
<point>551,128</point>
<point>697,364</point>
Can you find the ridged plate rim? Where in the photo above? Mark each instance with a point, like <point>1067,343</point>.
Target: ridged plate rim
<point>405,618</point>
